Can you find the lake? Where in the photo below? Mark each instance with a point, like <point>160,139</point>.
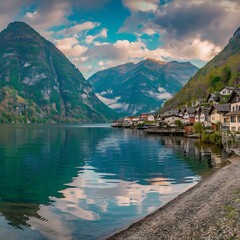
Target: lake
<point>89,181</point>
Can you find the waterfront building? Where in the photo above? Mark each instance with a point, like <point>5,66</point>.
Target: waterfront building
<point>234,113</point>
<point>218,116</point>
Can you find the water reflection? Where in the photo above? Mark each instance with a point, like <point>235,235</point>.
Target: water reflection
<point>63,182</point>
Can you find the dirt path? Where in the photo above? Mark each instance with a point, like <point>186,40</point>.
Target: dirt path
<point>210,210</point>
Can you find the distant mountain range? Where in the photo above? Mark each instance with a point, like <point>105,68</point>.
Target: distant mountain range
<point>39,84</point>
<point>132,89</point>
<point>222,70</point>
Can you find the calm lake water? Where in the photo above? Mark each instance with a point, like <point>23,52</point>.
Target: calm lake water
<point>88,181</point>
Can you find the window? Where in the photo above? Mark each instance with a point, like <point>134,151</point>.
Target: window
<point>239,119</point>
<point>233,109</point>
<point>233,119</point>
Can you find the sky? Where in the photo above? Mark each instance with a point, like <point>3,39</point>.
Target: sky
<point>98,34</point>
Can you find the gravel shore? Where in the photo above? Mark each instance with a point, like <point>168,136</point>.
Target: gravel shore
<point>210,210</point>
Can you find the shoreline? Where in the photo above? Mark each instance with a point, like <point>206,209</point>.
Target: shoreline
<point>208,210</point>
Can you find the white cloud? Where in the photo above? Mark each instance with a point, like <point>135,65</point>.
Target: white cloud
<point>90,38</point>
<point>97,43</point>
<point>193,49</point>
<point>83,68</point>
<point>48,15</point>
<point>141,5</point>
<point>192,30</point>
<point>101,63</point>
<point>70,47</point>
<point>149,31</point>
<point>138,50</point>
<point>80,59</point>
<point>78,28</point>
<point>30,15</point>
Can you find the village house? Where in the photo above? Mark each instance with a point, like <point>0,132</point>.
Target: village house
<point>218,116</point>
<point>234,113</point>
<point>171,112</point>
<point>118,123</point>
<point>226,91</point>
<point>213,98</point>
<point>171,119</point>
<point>158,117</point>
<point>146,118</point>
<point>189,115</point>
<point>202,116</point>
<point>131,120</point>
<point>198,102</point>
<point>237,80</point>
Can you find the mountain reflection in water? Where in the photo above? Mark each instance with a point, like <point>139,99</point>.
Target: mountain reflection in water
<point>85,182</point>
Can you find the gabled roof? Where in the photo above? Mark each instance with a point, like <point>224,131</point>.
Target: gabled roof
<point>170,112</point>
<point>227,87</point>
<point>205,110</point>
<point>221,108</point>
<point>234,93</point>
<point>233,114</point>
<point>215,96</point>
<point>172,115</point>
<point>190,110</point>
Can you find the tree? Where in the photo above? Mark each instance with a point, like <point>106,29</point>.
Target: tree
<point>198,128</point>
<point>179,124</point>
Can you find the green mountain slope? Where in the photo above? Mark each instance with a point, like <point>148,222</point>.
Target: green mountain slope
<point>221,71</point>
<point>132,89</point>
<point>34,70</point>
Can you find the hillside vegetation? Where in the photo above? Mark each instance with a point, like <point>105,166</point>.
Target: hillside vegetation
<point>50,87</point>
<point>222,70</point>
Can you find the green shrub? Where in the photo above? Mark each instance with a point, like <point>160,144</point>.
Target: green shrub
<point>205,138</point>
<point>215,138</point>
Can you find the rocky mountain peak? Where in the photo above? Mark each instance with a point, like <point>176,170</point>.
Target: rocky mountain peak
<point>237,33</point>
<point>141,88</point>
<point>19,28</point>
<point>38,83</point>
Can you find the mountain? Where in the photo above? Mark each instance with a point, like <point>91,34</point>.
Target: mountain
<point>39,84</point>
<point>132,89</point>
<point>222,70</point>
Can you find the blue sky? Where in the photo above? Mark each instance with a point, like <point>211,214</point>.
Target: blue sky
<point>98,34</point>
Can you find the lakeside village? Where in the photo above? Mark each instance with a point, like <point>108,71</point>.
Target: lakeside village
<point>215,119</point>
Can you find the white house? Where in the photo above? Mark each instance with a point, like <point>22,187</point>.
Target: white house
<point>171,119</point>
<point>234,113</point>
<point>226,91</point>
<point>146,118</point>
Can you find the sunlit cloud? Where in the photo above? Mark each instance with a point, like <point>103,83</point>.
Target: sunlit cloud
<point>71,47</point>
<point>141,5</point>
<point>194,30</point>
